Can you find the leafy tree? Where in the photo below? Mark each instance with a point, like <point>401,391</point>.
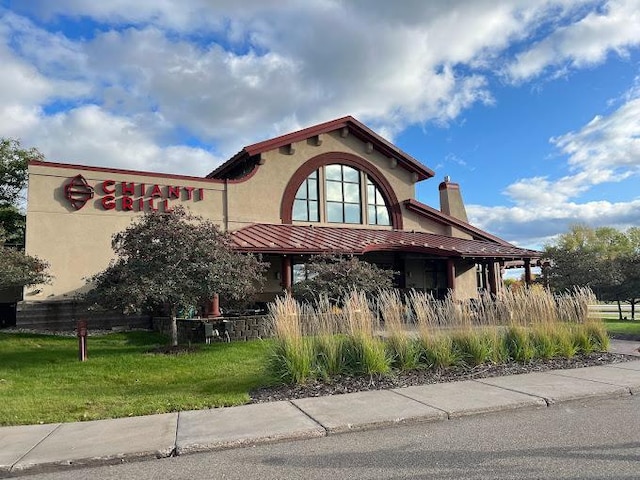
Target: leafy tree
<point>334,275</point>
<point>175,260</point>
<point>605,259</point>
<point>18,269</point>
<point>12,221</point>
<point>13,180</point>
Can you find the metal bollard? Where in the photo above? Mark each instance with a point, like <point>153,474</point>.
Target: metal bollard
<point>82,340</point>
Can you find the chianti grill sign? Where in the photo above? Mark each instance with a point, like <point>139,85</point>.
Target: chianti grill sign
<point>78,192</point>
<point>128,196</point>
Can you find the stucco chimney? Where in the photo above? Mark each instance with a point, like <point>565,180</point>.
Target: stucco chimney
<point>451,200</point>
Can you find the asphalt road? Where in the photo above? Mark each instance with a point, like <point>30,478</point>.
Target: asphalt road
<point>590,439</point>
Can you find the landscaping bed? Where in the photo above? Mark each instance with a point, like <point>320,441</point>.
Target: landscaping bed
<point>349,384</point>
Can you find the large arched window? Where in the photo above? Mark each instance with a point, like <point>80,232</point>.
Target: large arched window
<point>336,193</point>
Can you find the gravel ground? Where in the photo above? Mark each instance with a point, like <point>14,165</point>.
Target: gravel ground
<point>349,384</point>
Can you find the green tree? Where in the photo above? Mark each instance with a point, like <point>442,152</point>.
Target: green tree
<point>334,275</point>
<point>13,180</point>
<point>18,269</point>
<point>175,260</point>
<point>604,259</point>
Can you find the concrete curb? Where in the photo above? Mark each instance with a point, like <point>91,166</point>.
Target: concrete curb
<point>37,448</point>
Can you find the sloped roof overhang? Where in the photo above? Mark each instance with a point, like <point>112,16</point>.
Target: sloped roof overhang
<point>312,240</point>
<point>354,127</point>
<point>442,218</point>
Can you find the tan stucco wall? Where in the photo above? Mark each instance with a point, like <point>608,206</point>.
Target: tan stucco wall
<point>77,243</point>
<point>271,179</point>
<point>466,281</point>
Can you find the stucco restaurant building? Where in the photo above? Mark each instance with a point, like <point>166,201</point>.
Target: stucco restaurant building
<point>337,187</point>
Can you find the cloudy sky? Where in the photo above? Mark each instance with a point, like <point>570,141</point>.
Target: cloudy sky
<point>532,106</point>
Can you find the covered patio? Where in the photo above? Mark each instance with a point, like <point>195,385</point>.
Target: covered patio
<point>426,261</point>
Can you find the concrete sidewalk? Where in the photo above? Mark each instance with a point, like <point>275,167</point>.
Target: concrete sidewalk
<point>32,448</point>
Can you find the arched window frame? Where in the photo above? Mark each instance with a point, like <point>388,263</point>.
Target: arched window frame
<point>341,158</point>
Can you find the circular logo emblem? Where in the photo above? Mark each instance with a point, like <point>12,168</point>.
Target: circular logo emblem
<point>78,192</point>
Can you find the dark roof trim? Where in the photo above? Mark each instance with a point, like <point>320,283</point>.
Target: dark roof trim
<point>355,127</point>
<point>121,171</point>
<point>444,219</point>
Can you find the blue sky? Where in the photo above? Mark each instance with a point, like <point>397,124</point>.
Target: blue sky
<point>532,107</point>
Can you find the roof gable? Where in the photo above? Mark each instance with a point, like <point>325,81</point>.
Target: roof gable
<point>353,126</point>
<point>444,219</point>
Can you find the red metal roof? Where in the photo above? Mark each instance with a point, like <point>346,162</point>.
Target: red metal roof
<point>355,127</point>
<point>306,239</point>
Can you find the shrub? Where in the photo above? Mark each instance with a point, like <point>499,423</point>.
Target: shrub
<point>518,344</point>
<point>598,335</point>
<point>321,340</point>
<point>438,352</point>
<point>368,355</point>
<point>330,355</point>
<point>471,346</point>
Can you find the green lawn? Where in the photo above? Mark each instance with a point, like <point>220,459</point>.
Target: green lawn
<point>42,381</point>
<point>623,327</point>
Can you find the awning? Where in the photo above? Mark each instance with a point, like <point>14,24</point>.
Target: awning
<point>312,240</point>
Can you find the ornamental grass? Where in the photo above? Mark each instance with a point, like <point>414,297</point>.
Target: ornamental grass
<point>401,332</point>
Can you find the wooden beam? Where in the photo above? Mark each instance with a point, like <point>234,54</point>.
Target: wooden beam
<point>451,274</point>
<point>286,273</point>
<point>528,278</point>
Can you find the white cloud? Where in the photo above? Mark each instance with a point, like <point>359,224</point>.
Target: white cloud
<point>605,150</point>
<point>230,73</point>
<point>535,225</point>
<point>607,142</point>
<point>614,28</point>
<point>90,136</point>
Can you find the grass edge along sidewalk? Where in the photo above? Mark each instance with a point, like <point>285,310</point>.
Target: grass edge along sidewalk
<point>42,381</point>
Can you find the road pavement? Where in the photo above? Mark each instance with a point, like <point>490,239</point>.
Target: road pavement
<point>587,439</point>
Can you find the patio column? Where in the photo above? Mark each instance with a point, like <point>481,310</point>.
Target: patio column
<point>528,279</point>
<point>214,307</point>
<point>451,274</point>
<point>286,273</point>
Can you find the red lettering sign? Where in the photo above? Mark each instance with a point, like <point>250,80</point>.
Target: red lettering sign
<point>109,202</point>
<point>121,195</point>
<point>106,187</point>
<point>128,188</point>
<point>127,203</point>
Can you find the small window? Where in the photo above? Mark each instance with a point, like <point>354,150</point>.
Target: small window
<point>377,211</point>
<point>305,204</point>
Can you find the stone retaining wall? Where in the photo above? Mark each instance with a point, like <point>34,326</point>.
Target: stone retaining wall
<point>64,315</point>
<point>192,330</point>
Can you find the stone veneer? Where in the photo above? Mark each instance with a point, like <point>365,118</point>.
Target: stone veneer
<point>192,330</point>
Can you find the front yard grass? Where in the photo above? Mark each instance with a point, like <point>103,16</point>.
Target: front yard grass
<point>42,381</point>
<point>623,328</point>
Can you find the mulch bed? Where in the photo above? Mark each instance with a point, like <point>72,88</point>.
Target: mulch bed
<point>350,384</point>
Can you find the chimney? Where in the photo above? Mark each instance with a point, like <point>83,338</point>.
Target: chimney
<point>451,200</point>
